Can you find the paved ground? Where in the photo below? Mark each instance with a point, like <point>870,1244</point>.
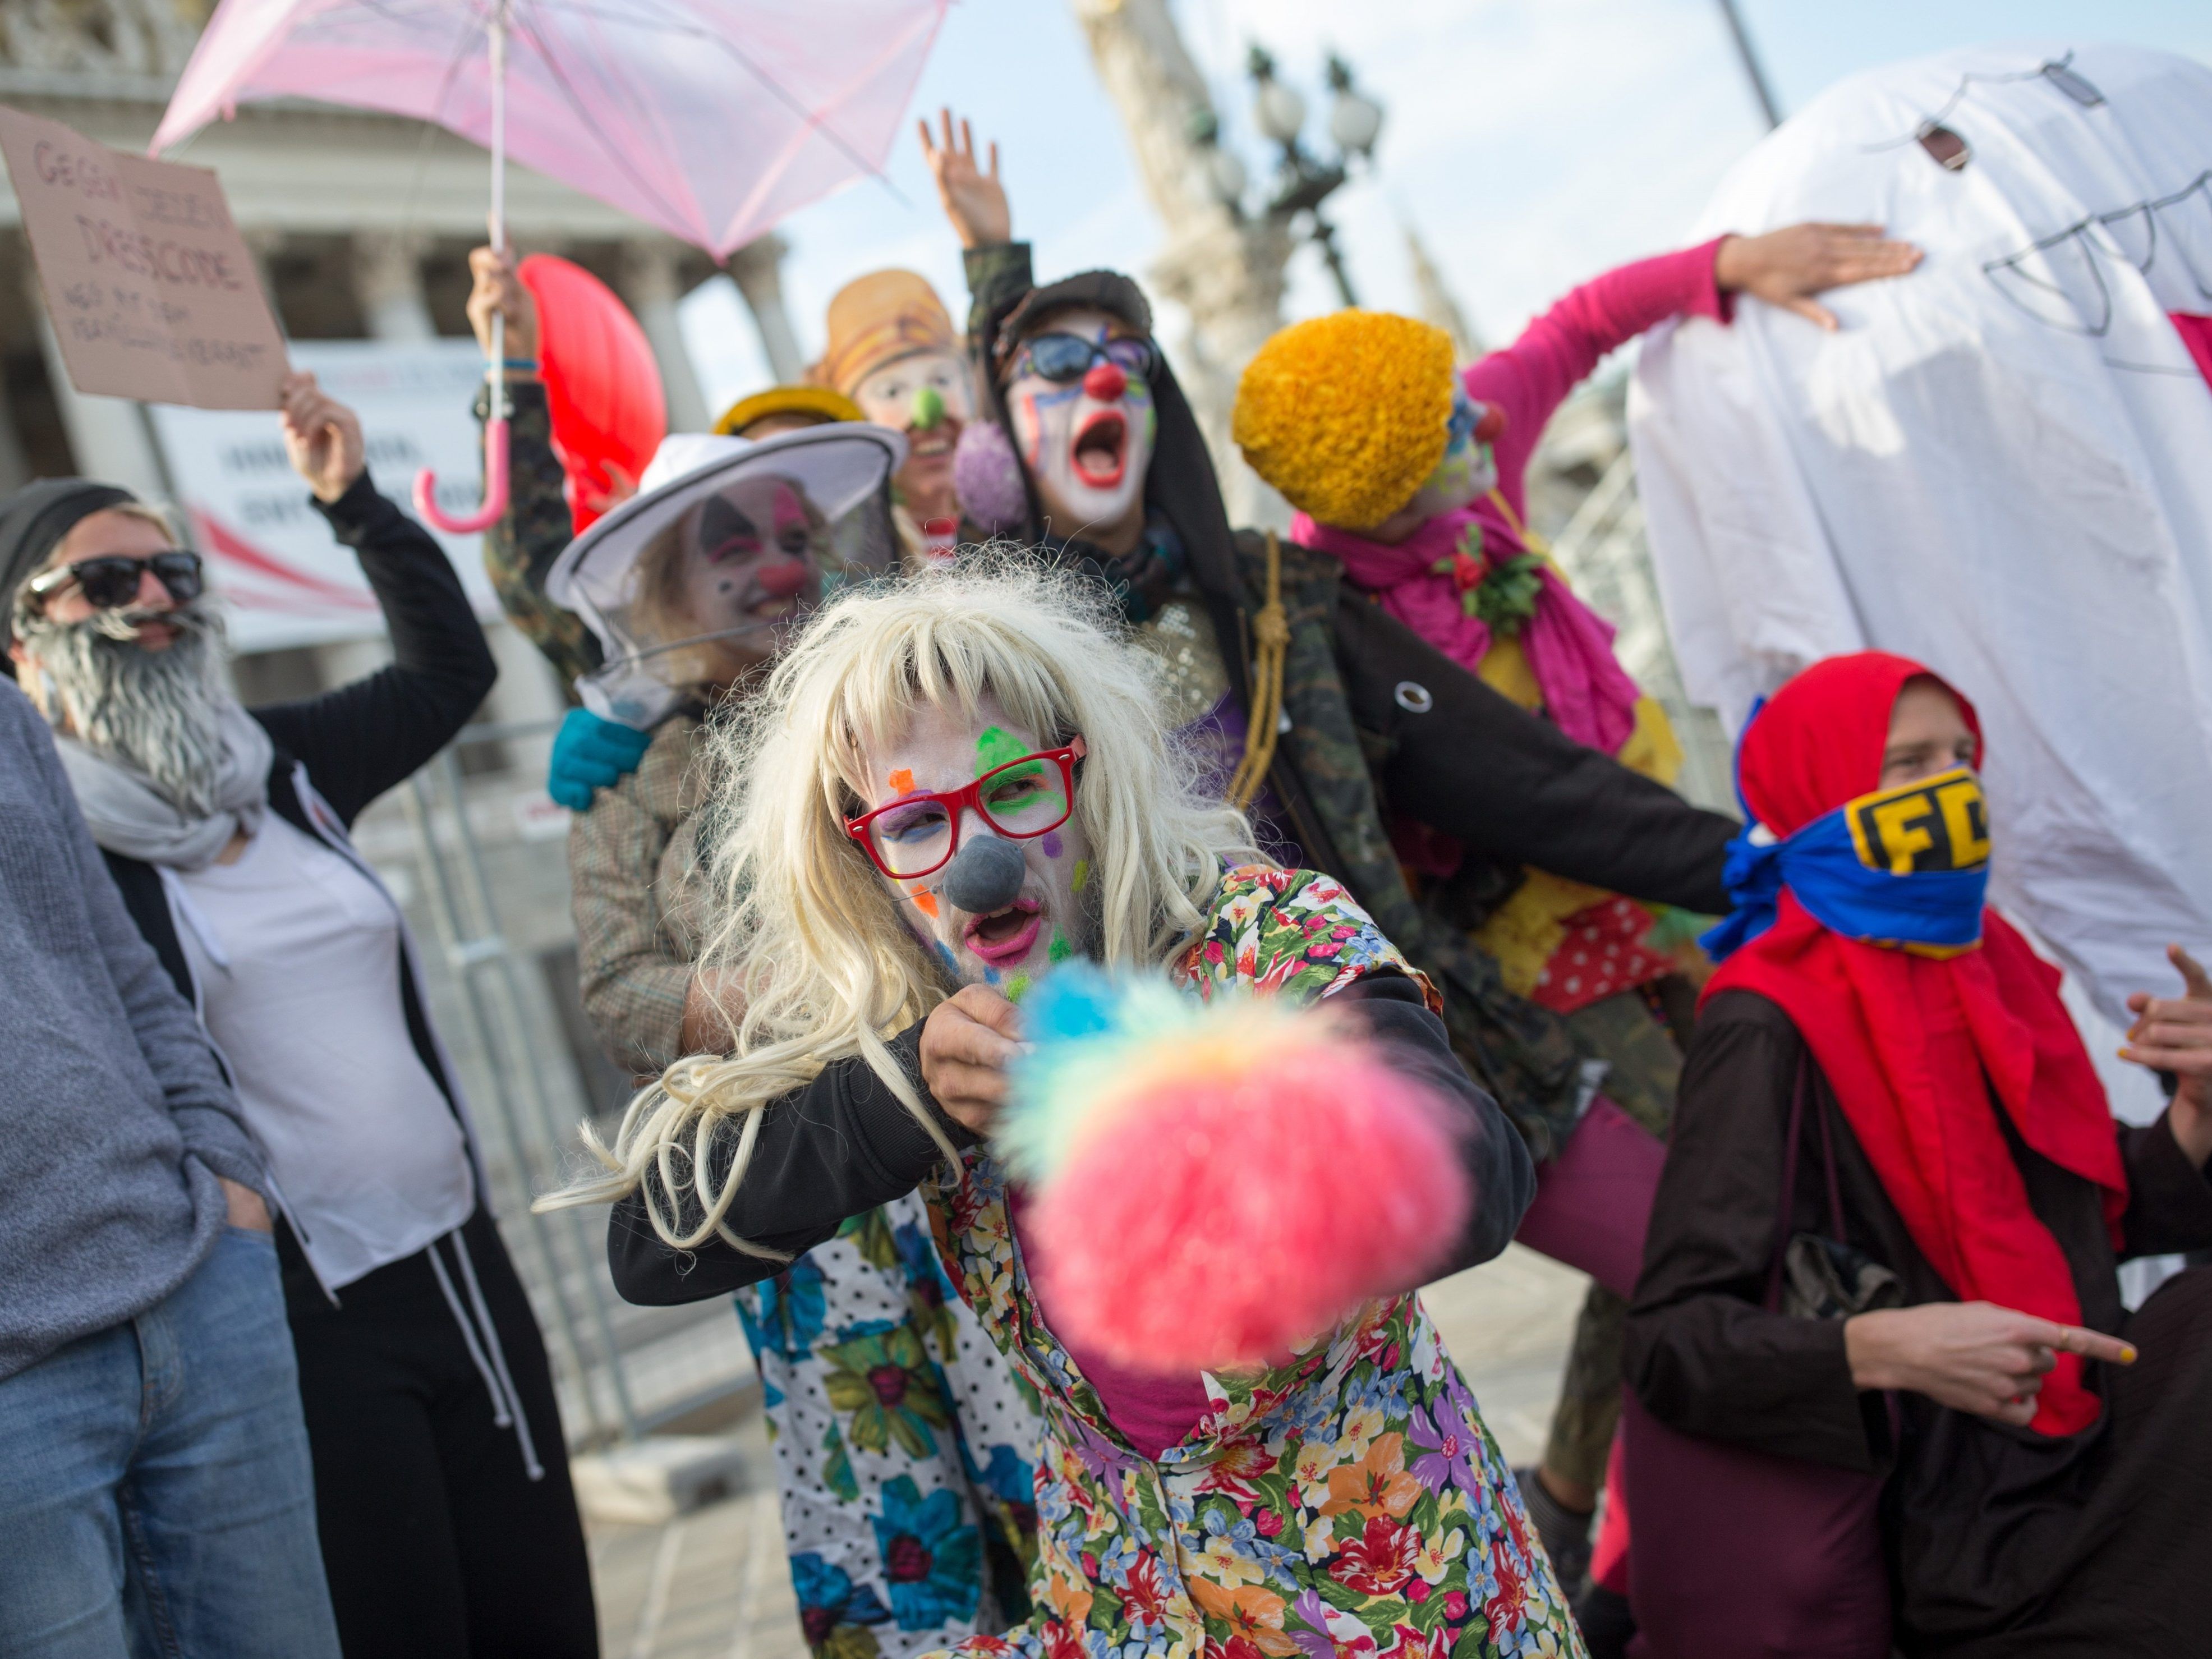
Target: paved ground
<point>714,1585</point>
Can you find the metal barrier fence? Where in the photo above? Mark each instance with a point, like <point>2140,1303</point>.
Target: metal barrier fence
<point>477,855</point>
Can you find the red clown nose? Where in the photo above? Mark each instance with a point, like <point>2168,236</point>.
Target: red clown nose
<point>1105,382</point>
<point>783,579</point>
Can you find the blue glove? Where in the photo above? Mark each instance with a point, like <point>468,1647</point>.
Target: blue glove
<point>591,754</point>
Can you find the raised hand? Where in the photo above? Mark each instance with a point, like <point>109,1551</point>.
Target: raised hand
<point>2171,1034</point>
<point>975,201</point>
<point>322,437</point>
<point>1786,267</point>
<point>496,286</point>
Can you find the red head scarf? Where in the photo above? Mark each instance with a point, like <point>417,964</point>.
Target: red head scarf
<point>1916,1047</point>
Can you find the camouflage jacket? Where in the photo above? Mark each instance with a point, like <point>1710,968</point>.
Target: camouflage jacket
<point>519,552</point>
<point>1524,1054</point>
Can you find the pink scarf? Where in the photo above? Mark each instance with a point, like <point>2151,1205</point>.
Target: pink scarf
<point>1568,646</point>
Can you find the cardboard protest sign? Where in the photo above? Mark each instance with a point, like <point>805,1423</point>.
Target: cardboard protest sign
<point>152,291</point>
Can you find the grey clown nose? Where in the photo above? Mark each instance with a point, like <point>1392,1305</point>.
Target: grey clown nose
<point>986,876</point>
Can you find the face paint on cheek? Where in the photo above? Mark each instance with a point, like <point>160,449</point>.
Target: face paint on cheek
<point>1081,878</point>
<point>1053,845</point>
<point>901,782</point>
<point>925,901</point>
<point>1059,950</point>
<point>1016,986</point>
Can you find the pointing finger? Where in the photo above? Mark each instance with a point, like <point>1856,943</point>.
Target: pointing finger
<point>2192,974</point>
<point>2091,1345</point>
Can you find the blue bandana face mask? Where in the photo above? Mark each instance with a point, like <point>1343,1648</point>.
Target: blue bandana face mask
<point>1907,867</point>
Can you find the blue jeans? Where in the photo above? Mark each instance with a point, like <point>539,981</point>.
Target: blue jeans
<point>156,1496</point>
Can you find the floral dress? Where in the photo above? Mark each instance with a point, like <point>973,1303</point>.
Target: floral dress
<point>905,1445</point>
<point>1348,1502</point>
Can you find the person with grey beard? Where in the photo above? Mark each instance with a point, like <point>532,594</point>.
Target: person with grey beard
<point>448,1525</point>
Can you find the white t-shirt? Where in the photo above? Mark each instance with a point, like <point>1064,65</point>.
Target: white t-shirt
<point>305,1004</point>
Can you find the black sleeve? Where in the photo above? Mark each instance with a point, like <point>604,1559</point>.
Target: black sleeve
<point>1417,1046</point>
<point>1482,769</point>
<point>2169,1197</point>
<point>835,1149</point>
<point>360,739</point>
<point>1703,1354</point>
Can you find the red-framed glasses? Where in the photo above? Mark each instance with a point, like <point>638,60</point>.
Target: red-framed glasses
<point>918,834</point>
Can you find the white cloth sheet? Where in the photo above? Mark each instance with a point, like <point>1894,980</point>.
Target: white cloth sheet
<point>2001,465</point>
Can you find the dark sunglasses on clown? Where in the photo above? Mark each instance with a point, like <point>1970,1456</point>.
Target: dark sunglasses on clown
<point>1068,357</point>
<point>112,581</point>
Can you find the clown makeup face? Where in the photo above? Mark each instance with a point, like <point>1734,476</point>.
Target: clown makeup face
<point>1044,919</point>
<point>1087,440</point>
<point>929,396</point>
<point>746,563</point>
<point>1467,471</point>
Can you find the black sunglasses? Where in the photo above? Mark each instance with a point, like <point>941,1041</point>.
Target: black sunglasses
<point>1065,357</point>
<point>112,581</point>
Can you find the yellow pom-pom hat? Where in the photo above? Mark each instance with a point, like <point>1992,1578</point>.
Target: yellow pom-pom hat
<point>1348,415</point>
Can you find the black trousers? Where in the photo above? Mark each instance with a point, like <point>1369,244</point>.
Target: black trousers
<point>437,1543</point>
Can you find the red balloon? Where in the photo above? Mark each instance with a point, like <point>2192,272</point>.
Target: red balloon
<point>601,383</point>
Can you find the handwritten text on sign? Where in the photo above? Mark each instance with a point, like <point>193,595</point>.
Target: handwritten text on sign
<point>152,291</point>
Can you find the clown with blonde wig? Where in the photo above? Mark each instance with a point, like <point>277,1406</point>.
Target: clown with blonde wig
<point>948,789</point>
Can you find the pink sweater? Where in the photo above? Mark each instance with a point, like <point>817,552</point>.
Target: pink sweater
<point>1556,352</point>
<point>1420,579</point>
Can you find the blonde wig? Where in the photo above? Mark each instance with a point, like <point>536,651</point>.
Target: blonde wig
<point>814,939</point>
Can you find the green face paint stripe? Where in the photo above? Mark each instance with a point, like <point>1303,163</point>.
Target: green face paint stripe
<point>996,748</point>
<point>1016,986</point>
<point>1059,950</point>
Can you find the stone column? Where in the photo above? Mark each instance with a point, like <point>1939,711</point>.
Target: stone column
<point>388,275</point>
<point>649,288</point>
<point>757,270</point>
<point>1226,269</point>
<point>109,438</point>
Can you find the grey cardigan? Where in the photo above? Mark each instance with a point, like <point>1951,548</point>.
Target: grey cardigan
<point>115,1120</point>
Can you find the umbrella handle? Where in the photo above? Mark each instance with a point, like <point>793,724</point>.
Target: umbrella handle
<point>495,496</point>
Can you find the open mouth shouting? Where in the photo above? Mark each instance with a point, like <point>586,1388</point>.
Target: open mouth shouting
<point>1007,936</point>
<point>935,444</point>
<point>1101,454</point>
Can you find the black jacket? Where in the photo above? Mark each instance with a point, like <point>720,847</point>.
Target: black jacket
<point>844,1145</point>
<point>359,741</point>
<point>1506,783</point>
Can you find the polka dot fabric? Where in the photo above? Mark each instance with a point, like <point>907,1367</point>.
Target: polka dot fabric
<point>1604,952</point>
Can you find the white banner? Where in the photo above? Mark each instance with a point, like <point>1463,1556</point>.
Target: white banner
<point>270,554</point>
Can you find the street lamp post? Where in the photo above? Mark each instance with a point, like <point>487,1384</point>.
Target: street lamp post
<point>1303,180</point>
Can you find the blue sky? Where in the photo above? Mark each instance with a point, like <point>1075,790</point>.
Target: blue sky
<point>1531,142</point>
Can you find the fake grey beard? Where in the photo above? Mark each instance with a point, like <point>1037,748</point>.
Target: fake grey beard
<point>158,711</point>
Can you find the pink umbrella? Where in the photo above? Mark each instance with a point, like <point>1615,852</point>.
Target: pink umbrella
<point>711,118</point>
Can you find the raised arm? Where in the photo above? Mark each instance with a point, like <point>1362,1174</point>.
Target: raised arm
<point>520,550</point>
<point>360,739</point>
<point>975,202</point>
<point>1530,377</point>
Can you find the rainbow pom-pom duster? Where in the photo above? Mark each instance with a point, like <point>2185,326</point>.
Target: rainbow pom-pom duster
<point>1214,1184</point>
